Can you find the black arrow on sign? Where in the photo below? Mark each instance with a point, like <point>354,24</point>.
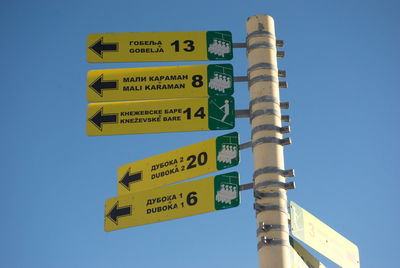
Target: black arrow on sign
<point>129,178</point>
<point>99,85</point>
<point>99,119</point>
<point>117,212</point>
<point>99,47</point>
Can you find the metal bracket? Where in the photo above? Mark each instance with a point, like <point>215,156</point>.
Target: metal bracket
<point>258,194</point>
<point>263,78</point>
<point>239,45</point>
<point>264,207</point>
<point>264,228</point>
<point>270,242</point>
<point>263,99</point>
<point>290,185</point>
<point>283,142</point>
<point>280,54</point>
<point>258,33</point>
<point>278,43</point>
<point>246,186</point>
<point>240,79</point>
<point>283,84</point>
<point>263,112</point>
<point>284,105</point>
<point>245,145</point>
<point>284,185</point>
<point>285,118</point>
<point>285,173</point>
<point>263,65</point>
<point>260,44</point>
<point>242,113</point>
<point>281,73</point>
<point>283,130</point>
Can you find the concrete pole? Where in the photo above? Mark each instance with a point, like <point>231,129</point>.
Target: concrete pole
<point>266,121</point>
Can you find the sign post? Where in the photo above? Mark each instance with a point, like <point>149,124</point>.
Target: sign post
<point>268,155</point>
<point>181,164</point>
<point>323,238</point>
<point>172,202</point>
<point>161,46</point>
<point>157,116</point>
<point>160,83</point>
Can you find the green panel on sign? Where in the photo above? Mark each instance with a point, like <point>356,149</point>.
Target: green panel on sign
<point>219,45</point>
<point>221,113</point>
<point>226,190</point>
<point>227,148</point>
<point>220,79</point>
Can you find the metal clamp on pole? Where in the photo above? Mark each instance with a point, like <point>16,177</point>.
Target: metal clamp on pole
<point>242,113</point>
<point>246,186</point>
<point>285,118</point>
<point>258,194</point>
<point>260,44</point>
<point>262,78</point>
<point>283,84</point>
<point>259,33</point>
<point>263,112</point>
<point>283,130</point>
<point>283,185</point>
<point>245,145</point>
<point>281,73</point>
<point>270,242</point>
<point>264,207</point>
<point>283,142</point>
<point>284,105</point>
<point>239,45</point>
<point>280,43</point>
<point>262,65</point>
<point>264,228</point>
<point>263,99</point>
<point>240,79</point>
<point>290,185</point>
<point>285,173</point>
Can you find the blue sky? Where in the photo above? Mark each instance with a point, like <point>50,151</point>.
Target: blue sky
<point>341,59</point>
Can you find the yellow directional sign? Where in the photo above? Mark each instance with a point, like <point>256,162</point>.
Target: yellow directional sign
<point>160,82</point>
<point>322,238</point>
<point>172,202</point>
<point>159,46</point>
<point>180,164</point>
<point>299,252</point>
<point>156,116</point>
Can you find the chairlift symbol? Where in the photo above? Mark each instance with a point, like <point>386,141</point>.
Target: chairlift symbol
<point>228,152</point>
<point>220,82</point>
<point>227,193</point>
<point>220,47</point>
